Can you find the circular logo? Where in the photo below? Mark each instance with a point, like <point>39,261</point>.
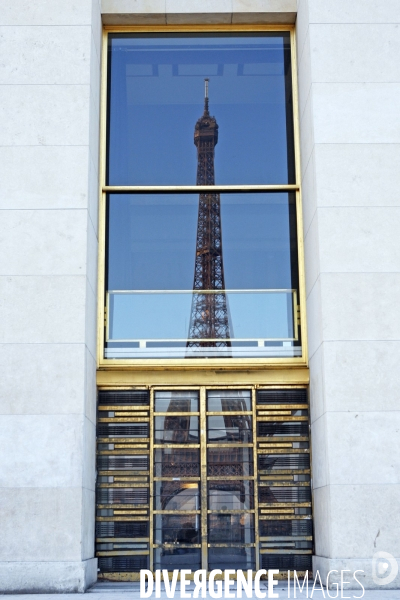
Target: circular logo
<point>384,568</point>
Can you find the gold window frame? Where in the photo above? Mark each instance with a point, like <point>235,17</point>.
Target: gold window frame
<point>226,365</point>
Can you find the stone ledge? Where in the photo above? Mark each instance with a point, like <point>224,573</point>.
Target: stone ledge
<point>179,12</point>
<point>47,577</point>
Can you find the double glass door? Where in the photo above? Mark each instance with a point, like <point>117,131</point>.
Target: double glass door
<point>202,478</point>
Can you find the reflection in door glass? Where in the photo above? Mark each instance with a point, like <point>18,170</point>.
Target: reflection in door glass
<point>176,495</point>
<point>176,401</point>
<point>176,430</point>
<point>229,401</point>
<point>177,535</point>
<point>231,495</point>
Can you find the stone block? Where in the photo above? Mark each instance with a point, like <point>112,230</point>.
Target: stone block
<point>312,252</point>
<point>46,242</point>
<point>47,309</point>
<point>354,53</point>
<point>39,177</point>
<point>360,306</point>
<point>357,239</point>
<point>358,11</point>
<point>361,568</point>
<point>46,12</point>
<point>314,318</point>
<point>321,452</point>
<point>40,525</point>
<point>44,115</point>
<point>361,375</point>
<point>364,520</point>
<point>353,436</point>
<point>45,55</point>
<point>47,451</point>
<point>357,174</point>
<point>47,577</point>
<point>322,521</point>
<point>351,113</point>
<point>51,379</point>
<point>309,194</point>
<point>317,383</point>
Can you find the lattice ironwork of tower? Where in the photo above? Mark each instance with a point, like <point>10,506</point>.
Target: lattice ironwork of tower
<point>209,319</point>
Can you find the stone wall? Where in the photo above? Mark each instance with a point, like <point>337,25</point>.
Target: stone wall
<point>49,122</point>
<point>349,78</point>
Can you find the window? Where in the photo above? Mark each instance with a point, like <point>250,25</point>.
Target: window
<point>201,198</point>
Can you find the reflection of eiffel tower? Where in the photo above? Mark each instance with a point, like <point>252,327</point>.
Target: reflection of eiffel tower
<point>209,319</point>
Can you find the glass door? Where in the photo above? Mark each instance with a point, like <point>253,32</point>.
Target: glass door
<point>230,480</point>
<point>176,483</point>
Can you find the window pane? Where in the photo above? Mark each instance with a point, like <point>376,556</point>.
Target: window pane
<point>177,558</point>
<point>230,461</point>
<point>179,532</point>
<point>231,495</point>
<point>229,429</point>
<point>152,264</point>
<point>233,557</point>
<point>170,462</point>
<point>229,401</point>
<point>176,430</point>
<point>177,402</point>
<point>176,495</point>
<point>231,528</point>
<point>156,96</point>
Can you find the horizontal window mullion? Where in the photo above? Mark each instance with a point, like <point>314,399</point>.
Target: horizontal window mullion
<point>184,189</point>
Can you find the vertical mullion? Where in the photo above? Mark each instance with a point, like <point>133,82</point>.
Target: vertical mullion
<point>203,478</point>
<point>151,481</point>
<point>255,467</point>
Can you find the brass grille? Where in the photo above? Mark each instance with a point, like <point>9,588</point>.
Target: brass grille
<point>123,487</point>
<point>284,480</point>
<point>203,479</point>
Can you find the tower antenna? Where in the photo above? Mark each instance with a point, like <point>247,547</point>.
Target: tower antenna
<point>206,80</point>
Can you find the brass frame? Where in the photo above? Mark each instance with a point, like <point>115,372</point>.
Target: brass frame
<point>196,364</point>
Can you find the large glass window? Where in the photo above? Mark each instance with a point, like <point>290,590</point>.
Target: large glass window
<point>156,96</point>
<point>210,272</point>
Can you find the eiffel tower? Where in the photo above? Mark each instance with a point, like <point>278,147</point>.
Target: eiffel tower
<point>209,319</point>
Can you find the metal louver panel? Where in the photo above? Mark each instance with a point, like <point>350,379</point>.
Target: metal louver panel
<point>282,429</point>
<point>120,529</point>
<point>286,528</point>
<point>284,480</point>
<point>123,463</point>
<point>123,430</point>
<point>287,562</point>
<point>284,494</point>
<point>135,397</point>
<point>122,564</point>
<point>123,492</point>
<point>282,396</point>
<point>276,462</point>
<point>123,496</point>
